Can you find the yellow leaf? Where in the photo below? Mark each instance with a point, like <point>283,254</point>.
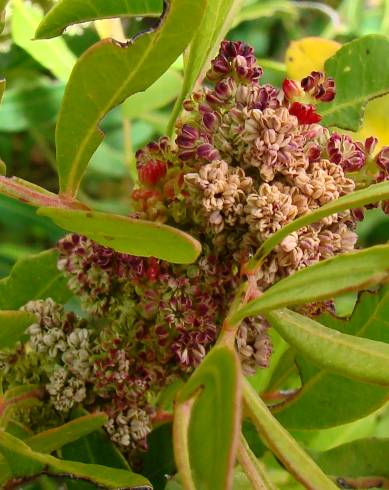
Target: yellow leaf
<point>308,54</point>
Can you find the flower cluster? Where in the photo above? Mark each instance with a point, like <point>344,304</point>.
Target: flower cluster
<point>247,160</point>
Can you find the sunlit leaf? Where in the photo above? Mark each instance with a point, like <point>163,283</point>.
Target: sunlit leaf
<point>53,55</point>
<point>323,280</point>
<point>128,235</point>
<point>132,68</point>
<point>360,72</point>
<point>34,277</point>
<point>355,357</point>
<point>208,441</point>
<point>67,12</point>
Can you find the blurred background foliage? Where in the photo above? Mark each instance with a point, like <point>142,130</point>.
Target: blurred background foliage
<point>36,72</point>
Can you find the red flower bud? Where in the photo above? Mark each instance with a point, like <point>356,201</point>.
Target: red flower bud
<point>305,113</point>
<point>151,172</point>
<point>291,89</point>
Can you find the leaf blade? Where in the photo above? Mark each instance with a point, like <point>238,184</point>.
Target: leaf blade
<point>68,12</point>
<point>128,235</point>
<point>13,325</point>
<point>359,358</point>
<point>132,68</point>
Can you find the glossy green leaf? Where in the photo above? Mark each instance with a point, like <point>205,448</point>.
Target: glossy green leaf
<point>68,12</point>
<point>364,460</point>
<point>327,399</point>
<point>34,277</point>
<point>161,93</point>
<point>355,357</point>
<point>53,55</point>
<point>218,17</point>
<point>211,438</point>
<point>370,195</point>
<point>23,461</point>
<point>128,235</point>
<point>323,280</point>
<point>282,444</point>
<point>13,324</point>
<point>132,68</point>
<point>360,72</point>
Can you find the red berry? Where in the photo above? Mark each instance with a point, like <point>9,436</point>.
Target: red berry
<point>151,172</point>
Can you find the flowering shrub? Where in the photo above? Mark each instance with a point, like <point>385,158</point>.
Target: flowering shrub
<point>251,207</point>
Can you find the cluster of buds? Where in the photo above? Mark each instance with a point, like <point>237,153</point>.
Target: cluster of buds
<point>302,96</point>
<point>247,160</point>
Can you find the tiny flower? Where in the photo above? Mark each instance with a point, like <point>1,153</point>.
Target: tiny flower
<point>370,144</point>
<point>305,113</point>
<point>382,159</point>
<point>345,152</point>
<point>318,86</point>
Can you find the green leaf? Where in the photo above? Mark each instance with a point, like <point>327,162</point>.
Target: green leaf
<point>370,195</point>
<point>205,442</point>
<point>360,72</point>
<point>327,399</point>
<point>358,358</point>
<point>364,459</point>
<point>34,277</point>
<point>53,55</point>
<point>266,8</point>
<point>13,324</point>
<point>23,461</point>
<point>323,280</point>
<point>282,444</point>
<point>53,439</point>
<point>161,93</point>
<point>128,235</point>
<point>218,17</point>
<point>132,68</point>
<point>21,108</point>
<point>68,12</point>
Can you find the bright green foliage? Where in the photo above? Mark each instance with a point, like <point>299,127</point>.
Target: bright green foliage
<point>23,461</point>
<point>53,55</point>
<point>127,235</point>
<point>355,270</point>
<point>358,358</point>
<point>360,72</point>
<point>67,12</point>
<point>214,419</point>
<point>132,68</point>
<point>34,277</point>
<point>13,324</point>
<point>327,399</point>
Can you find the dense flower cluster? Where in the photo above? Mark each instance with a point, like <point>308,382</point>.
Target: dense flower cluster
<point>247,160</point>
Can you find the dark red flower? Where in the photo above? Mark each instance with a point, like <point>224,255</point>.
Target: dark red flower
<point>151,172</point>
<point>305,113</point>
